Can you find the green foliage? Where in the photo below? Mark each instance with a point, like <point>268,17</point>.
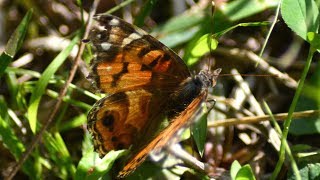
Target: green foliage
<point>308,171</point>
<point>15,42</point>
<point>92,167</point>
<point>239,172</point>
<point>199,132</point>
<point>314,40</point>
<point>240,9</point>
<point>145,11</point>
<point>29,91</point>
<point>302,16</point>
<point>179,29</point>
<point>199,48</point>
<point>42,83</point>
<point>310,99</point>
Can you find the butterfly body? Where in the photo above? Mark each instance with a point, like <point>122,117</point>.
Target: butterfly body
<point>147,82</point>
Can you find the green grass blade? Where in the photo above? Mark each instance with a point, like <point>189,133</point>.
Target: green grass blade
<point>146,10</point>
<point>290,113</point>
<point>15,42</point>
<point>43,82</point>
<point>59,154</point>
<point>11,141</point>
<point>199,132</point>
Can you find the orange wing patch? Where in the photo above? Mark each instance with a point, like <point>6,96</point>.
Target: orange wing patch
<point>127,58</point>
<point>124,76</point>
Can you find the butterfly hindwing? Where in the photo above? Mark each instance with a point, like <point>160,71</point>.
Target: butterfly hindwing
<point>114,119</point>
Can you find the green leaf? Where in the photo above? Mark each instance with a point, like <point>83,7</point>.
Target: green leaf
<point>10,139</point>
<point>241,173</point>
<point>314,40</point>
<point>92,167</point>
<point>300,148</point>
<point>236,10</point>
<point>302,16</point>
<point>245,173</point>
<point>235,167</point>
<point>12,142</point>
<point>199,48</point>
<point>179,29</point>
<point>176,38</point>
<point>199,132</point>
<point>59,154</point>
<point>308,171</point>
<point>15,42</point>
<point>148,170</point>
<point>43,82</point>
<point>179,23</point>
<point>5,59</point>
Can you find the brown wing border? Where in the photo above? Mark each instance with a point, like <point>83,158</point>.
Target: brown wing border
<point>164,137</point>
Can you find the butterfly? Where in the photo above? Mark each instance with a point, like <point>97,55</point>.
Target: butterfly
<point>146,82</point>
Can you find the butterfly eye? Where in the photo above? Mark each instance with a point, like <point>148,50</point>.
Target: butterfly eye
<point>217,72</point>
<point>215,75</point>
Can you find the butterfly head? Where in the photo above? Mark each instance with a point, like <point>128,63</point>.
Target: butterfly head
<point>208,78</point>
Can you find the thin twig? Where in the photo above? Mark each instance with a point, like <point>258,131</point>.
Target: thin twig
<point>257,119</point>
<point>247,93</point>
<point>59,100</point>
<point>177,151</point>
<point>272,135</point>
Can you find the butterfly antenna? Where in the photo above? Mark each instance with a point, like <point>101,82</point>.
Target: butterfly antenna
<point>211,34</point>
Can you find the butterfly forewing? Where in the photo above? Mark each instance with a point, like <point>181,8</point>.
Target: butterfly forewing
<point>127,58</point>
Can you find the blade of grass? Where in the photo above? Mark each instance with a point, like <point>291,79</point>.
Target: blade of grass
<point>63,91</point>
<point>15,42</point>
<point>43,82</point>
<point>139,20</point>
<point>119,6</point>
<point>56,146</point>
<point>290,113</point>
<point>248,24</point>
<point>53,80</point>
<point>270,30</point>
<point>13,143</point>
<point>288,150</point>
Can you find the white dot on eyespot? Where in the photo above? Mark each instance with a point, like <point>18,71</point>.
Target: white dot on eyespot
<point>105,46</point>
